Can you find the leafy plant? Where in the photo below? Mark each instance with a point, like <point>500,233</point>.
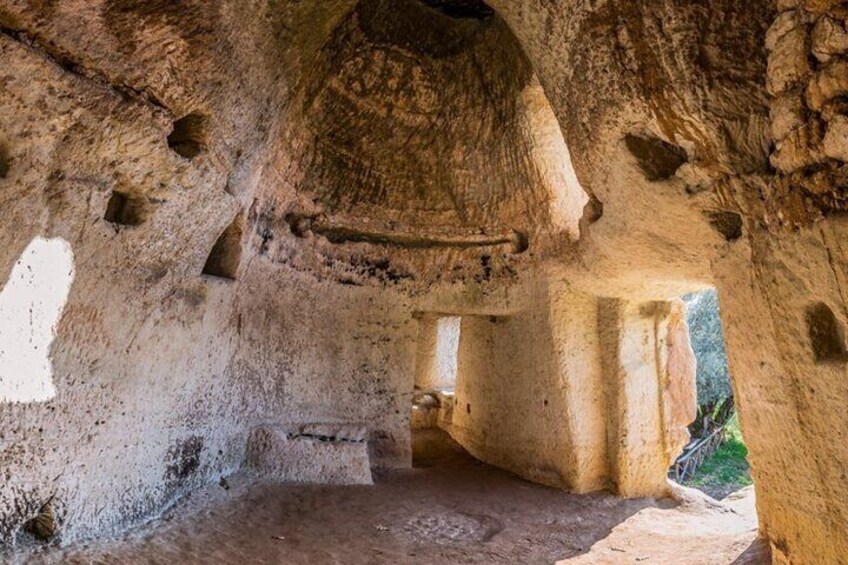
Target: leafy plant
<point>715,394</point>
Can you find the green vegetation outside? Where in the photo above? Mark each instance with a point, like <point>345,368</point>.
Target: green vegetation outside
<point>727,469</point>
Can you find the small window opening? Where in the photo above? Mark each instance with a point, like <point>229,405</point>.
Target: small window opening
<point>728,224</point>
<point>189,137</point>
<point>826,335</point>
<point>594,210</point>
<point>126,209</point>
<point>223,261</point>
<point>31,304</point>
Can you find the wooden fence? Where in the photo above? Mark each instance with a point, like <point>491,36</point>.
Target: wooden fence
<point>695,454</point>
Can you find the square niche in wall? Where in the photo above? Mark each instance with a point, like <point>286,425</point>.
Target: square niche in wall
<point>125,209</point>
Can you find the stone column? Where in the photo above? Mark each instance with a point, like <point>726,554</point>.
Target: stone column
<point>529,394</point>
<point>646,402</point>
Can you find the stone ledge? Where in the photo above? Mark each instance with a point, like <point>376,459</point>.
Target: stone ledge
<point>334,454</point>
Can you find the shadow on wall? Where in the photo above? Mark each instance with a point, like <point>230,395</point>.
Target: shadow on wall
<point>31,305</point>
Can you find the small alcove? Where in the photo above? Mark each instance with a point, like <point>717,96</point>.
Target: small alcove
<point>658,159</point>
<point>43,526</point>
<point>728,224</point>
<point>126,209</point>
<point>826,335</point>
<point>189,136</point>
<point>4,161</point>
<point>225,256</point>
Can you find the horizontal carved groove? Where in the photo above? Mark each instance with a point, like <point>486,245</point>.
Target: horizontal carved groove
<point>343,230</point>
<point>326,439</point>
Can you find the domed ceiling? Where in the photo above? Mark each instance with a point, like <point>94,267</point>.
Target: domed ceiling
<point>423,127</point>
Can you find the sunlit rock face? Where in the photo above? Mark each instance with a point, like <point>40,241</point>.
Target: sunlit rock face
<point>257,207</point>
<point>31,305</point>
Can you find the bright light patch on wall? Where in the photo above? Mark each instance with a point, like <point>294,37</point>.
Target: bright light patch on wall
<point>567,197</point>
<point>438,347</point>
<point>447,350</point>
<point>31,305</point>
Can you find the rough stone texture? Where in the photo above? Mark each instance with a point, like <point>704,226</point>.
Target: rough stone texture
<point>787,114</point>
<point>334,455</point>
<point>835,142</point>
<point>801,506</point>
<point>788,63</point>
<point>680,406</point>
<point>261,199</point>
<point>801,149</point>
<point>829,38</point>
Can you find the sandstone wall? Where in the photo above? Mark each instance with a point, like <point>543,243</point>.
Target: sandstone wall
<point>513,406</point>
<point>160,371</point>
<point>308,353</point>
<point>784,320</point>
<point>148,136</point>
<point>781,290</point>
<point>575,392</point>
<point>135,326</point>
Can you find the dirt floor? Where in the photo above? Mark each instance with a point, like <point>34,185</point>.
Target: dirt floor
<point>449,509</point>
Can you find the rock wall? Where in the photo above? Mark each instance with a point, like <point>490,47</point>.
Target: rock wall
<point>782,301</point>
<point>164,359</point>
<point>220,285</point>
<point>246,193</point>
<point>784,321</point>
<point>808,48</point>
<point>309,354</point>
<point>589,401</point>
<point>550,386</point>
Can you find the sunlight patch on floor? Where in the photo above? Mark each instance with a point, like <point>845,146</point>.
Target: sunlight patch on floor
<point>700,531</point>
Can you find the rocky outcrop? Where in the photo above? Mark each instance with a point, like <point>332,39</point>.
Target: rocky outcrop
<point>808,66</point>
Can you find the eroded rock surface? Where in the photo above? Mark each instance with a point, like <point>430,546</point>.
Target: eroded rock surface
<point>266,201</point>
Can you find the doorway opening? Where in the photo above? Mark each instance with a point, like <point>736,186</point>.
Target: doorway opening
<point>714,461</point>
<point>436,367</point>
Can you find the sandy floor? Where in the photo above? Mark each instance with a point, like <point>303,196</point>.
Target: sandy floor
<point>450,509</point>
